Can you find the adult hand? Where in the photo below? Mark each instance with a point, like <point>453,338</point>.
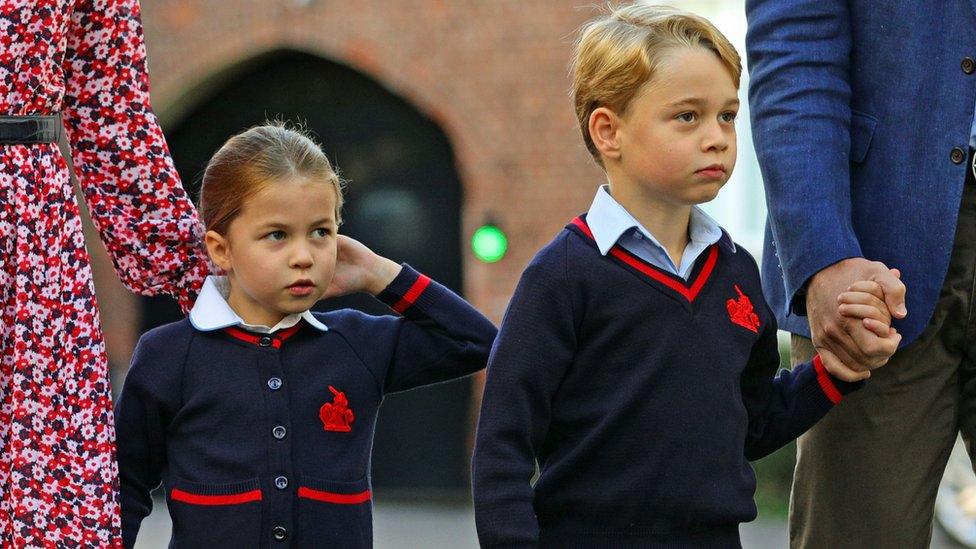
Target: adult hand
<point>845,338</point>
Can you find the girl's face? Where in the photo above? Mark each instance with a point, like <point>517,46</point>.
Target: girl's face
<point>280,251</point>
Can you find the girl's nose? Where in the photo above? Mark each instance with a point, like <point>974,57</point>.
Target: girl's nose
<point>301,258</point>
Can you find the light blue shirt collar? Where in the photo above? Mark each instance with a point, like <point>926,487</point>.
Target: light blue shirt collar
<point>212,312</point>
<point>608,221</point>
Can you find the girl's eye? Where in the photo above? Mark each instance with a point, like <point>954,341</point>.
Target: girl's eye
<point>686,117</point>
<point>321,232</point>
<point>275,236</point>
<point>729,117</point>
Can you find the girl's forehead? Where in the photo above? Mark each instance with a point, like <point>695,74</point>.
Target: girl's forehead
<point>292,200</point>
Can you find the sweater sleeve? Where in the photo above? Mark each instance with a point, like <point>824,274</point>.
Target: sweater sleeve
<point>534,349</point>
<point>439,337</point>
<point>783,407</point>
<point>150,396</point>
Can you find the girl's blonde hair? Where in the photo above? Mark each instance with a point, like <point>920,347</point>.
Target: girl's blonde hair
<point>251,161</point>
<point>617,53</point>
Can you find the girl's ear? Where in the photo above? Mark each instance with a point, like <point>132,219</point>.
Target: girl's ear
<point>604,130</point>
<point>218,248</point>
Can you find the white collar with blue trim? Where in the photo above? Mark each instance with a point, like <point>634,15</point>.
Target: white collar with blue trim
<point>608,221</point>
<point>212,312</point>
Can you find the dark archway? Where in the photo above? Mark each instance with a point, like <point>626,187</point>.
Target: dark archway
<point>403,200</point>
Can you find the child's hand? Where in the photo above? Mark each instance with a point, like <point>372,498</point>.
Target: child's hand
<point>358,269</point>
<point>864,300</point>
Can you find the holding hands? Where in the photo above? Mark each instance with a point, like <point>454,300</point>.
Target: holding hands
<point>850,305</point>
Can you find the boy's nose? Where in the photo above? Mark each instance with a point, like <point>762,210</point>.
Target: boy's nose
<point>715,138</point>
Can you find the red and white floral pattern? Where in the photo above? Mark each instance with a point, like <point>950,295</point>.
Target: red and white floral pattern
<point>85,59</point>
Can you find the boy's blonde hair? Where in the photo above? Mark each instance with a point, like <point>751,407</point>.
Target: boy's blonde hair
<point>251,161</point>
<point>617,53</point>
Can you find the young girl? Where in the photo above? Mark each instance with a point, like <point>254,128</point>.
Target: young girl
<point>255,413</point>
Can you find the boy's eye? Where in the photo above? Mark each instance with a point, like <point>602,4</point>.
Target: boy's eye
<point>275,236</point>
<point>686,117</point>
<point>729,117</point>
<point>321,232</point>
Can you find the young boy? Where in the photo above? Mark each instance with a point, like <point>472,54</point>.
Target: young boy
<point>636,361</point>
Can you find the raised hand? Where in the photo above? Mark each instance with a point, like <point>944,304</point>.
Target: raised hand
<point>358,269</point>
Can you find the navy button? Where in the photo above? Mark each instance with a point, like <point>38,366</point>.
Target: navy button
<point>279,533</point>
<point>279,432</point>
<point>281,483</point>
<point>957,155</point>
<point>968,65</point>
<point>274,383</point>
<point>265,341</point>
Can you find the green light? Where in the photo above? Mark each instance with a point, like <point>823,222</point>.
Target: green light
<point>489,243</point>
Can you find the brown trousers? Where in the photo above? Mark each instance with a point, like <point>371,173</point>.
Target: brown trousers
<point>866,476</point>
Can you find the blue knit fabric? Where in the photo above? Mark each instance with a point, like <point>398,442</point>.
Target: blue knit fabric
<point>254,443</point>
<point>642,407</point>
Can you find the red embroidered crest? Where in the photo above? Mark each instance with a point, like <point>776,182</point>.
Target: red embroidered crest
<point>336,415</point>
<point>741,311</point>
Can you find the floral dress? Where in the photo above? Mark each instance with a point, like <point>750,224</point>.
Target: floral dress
<point>86,60</point>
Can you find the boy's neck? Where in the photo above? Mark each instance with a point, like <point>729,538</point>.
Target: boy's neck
<point>669,223</point>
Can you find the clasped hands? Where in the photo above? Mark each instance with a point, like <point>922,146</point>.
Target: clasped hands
<point>850,305</point>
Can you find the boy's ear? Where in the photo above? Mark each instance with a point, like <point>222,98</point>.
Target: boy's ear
<point>605,132</point>
<point>219,249</point>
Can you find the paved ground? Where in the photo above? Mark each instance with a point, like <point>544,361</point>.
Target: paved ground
<point>405,524</point>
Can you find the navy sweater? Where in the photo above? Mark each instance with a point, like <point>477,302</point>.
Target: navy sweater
<point>641,396</point>
<point>265,440</point>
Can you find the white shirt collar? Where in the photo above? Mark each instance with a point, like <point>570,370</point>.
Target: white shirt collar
<point>608,221</point>
<point>212,312</point>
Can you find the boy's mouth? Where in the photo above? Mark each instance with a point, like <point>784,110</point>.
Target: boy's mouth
<point>713,171</point>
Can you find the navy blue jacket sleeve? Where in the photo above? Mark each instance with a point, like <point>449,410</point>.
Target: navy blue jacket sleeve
<point>799,99</point>
<point>149,399</point>
<point>783,407</point>
<point>439,337</point>
<point>534,349</point>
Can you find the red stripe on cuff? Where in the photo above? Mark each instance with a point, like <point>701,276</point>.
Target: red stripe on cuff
<point>823,378</point>
<point>229,499</point>
<point>333,497</point>
<point>412,294</point>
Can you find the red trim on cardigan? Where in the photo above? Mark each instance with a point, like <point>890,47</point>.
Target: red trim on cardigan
<point>333,497</point>
<point>412,294</point>
<point>826,384</point>
<point>255,338</point>
<point>228,499</point>
<point>689,293</point>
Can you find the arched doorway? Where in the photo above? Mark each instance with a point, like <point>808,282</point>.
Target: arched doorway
<point>403,200</point>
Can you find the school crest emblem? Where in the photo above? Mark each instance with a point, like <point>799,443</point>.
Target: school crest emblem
<point>741,311</point>
<point>336,415</point>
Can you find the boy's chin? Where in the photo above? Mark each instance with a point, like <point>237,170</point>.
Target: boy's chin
<point>706,193</point>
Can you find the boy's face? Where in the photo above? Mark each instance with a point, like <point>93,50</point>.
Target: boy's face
<point>280,251</point>
<point>677,138</point>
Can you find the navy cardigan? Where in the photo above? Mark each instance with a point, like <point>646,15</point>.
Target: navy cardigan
<point>642,397</point>
<point>264,440</point>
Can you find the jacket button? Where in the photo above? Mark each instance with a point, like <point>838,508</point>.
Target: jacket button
<point>274,383</point>
<point>279,533</point>
<point>279,432</point>
<point>957,155</point>
<point>281,483</point>
<point>968,65</point>
<point>265,341</point>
